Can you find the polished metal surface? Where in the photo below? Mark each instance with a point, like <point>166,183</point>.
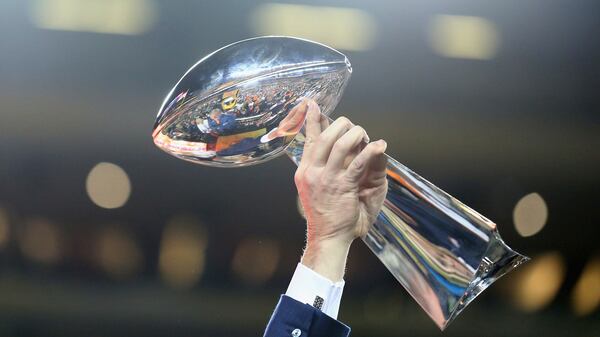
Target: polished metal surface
<point>232,108</point>
<point>242,105</point>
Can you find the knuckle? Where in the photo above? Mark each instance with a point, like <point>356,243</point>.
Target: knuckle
<point>341,145</point>
<point>298,177</point>
<point>371,148</point>
<point>344,121</point>
<point>360,130</point>
<point>357,164</point>
<point>307,182</point>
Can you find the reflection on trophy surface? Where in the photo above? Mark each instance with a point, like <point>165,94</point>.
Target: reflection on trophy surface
<point>248,123</point>
<point>246,103</point>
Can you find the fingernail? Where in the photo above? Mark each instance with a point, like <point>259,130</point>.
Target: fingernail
<point>307,106</point>
<point>367,139</point>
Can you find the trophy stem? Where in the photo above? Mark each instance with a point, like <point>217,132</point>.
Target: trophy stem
<point>441,251</point>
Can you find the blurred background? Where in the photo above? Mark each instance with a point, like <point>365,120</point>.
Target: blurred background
<point>102,234</point>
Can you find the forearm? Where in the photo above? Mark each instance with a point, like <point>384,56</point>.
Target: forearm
<point>327,257</point>
<point>318,279</point>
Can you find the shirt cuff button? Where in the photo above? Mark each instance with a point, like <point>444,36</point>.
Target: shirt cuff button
<point>296,333</point>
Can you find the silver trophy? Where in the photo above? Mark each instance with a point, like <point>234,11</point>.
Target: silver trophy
<point>238,107</point>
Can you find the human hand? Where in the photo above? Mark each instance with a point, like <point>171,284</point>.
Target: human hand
<point>342,185</point>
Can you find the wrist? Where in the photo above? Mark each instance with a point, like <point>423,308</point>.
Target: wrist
<point>327,257</point>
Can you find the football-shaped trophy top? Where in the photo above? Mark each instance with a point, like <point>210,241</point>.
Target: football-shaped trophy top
<point>240,105</point>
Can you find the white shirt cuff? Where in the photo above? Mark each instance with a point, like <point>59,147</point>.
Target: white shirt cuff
<point>307,284</point>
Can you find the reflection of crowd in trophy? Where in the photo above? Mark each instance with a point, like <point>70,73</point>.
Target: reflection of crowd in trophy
<point>244,120</point>
<point>235,111</point>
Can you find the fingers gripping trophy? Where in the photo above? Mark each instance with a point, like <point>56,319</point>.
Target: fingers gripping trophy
<point>254,100</point>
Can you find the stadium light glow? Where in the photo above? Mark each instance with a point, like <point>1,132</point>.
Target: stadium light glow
<point>255,260</point>
<point>340,27</point>
<point>535,285</point>
<point>108,185</point>
<point>182,252</point>
<point>466,37</point>
<point>123,17</point>
<point>530,214</point>
<point>585,298</point>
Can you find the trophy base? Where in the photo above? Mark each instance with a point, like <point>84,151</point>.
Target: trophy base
<point>498,260</point>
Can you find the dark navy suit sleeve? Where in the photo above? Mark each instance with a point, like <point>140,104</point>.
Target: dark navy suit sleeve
<point>292,317</point>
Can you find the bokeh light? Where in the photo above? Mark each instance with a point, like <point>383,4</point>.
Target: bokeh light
<point>530,214</point>
<point>125,17</point>
<point>585,298</point>
<point>536,284</point>
<point>182,251</point>
<point>4,228</point>
<point>255,260</point>
<point>339,27</point>
<point>108,185</point>
<point>468,37</point>
<point>41,241</point>
<point>118,253</point>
